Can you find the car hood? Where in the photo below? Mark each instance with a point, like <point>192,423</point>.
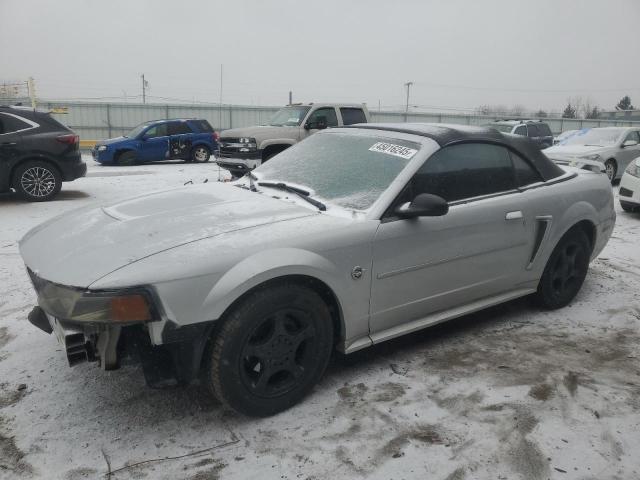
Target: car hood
<point>562,151</point>
<point>109,141</point>
<point>81,247</point>
<point>260,132</point>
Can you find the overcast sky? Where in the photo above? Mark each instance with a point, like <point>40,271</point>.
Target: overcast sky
<point>459,53</point>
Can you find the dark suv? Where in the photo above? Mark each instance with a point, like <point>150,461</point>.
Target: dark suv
<point>37,154</point>
<point>536,130</point>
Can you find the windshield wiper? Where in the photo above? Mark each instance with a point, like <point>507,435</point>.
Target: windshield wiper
<point>303,194</point>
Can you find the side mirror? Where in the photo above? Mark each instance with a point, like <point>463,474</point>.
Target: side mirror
<point>424,205</point>
<point>629,143</point>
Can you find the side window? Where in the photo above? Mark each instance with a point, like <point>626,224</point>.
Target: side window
<point>11,123</point>
<point>157,131</point>
<point>533,130</point>
<point>544,130</point>
<point>328,113</point>
<point>203,126</point>
<point>179,128</point>
<point>465,171</point>
<point>351,116</point>
<point>633,136</point>
<point>525,173</point>
<point>521,130</point>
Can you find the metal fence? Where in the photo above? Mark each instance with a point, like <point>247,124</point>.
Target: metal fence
<point>97,121</point>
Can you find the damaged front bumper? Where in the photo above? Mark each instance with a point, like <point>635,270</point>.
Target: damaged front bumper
<point>175,361</point>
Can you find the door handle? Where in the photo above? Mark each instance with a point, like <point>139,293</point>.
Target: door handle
<point>516,215</point>
<point>8,144</point>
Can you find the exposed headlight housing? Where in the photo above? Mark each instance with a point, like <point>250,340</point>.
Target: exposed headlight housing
<point>633,169</point>
<point>85,306</point>
<point>102,148</point>
<point>594,157</point>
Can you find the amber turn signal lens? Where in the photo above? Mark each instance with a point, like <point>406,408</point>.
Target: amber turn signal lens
<point>130,308</point>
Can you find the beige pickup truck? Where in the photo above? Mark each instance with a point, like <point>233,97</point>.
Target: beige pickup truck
<point>243,149</point>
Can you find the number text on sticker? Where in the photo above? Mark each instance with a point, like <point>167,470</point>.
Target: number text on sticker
<point>391,149</point>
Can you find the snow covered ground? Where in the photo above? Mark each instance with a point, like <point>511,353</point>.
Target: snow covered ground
<point>508,393</point>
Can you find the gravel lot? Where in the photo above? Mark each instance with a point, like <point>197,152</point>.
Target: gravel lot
<point>508,393</point>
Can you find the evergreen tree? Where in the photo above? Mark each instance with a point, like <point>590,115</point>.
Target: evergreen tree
<point>570,111</point>
<point>625,104</point>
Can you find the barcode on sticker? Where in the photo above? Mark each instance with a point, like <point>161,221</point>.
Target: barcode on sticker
<point>392,149</point>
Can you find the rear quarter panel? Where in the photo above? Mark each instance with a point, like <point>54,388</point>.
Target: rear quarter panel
<point>585,196</point>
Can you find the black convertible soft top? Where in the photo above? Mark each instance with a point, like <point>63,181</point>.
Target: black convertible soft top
<point>449,134</point>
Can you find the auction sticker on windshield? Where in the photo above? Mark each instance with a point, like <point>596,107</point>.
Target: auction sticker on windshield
<point>391,149</point>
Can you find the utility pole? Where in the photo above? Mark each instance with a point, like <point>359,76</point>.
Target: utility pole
<point>220,107</point>
<point>290,97</point>
<point>144,89</point>
<point>406,110</point>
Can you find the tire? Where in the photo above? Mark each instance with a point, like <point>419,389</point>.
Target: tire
<point>200,154</point>
<point>270,350</point>
<point>611,167</point>
<point>565,271</point>
<point>127,158</point>
<point>37,181</point>
<point>628,207</point>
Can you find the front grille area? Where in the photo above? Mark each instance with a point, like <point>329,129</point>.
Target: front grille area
<point>625,192</point>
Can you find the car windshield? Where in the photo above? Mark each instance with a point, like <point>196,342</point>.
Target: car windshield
<point>136,131</point>
<point>596,136</point>
<point>289,116</point>
<point>350,170</point>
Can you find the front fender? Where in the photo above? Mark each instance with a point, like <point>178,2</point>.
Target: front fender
<point>276,141</point>
<point>267,265</point>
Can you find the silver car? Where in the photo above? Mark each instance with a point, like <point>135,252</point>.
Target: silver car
<point>352,237</point>
<point>606,149</point>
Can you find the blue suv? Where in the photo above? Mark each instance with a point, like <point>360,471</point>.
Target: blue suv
<point>192,140</point>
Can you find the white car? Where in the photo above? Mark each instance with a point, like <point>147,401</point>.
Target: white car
<point>630,187</point>
<point>607,149</point>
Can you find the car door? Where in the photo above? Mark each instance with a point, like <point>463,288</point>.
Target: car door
<point>155,143</point>
<point>10,140</point>
<point>478,249</point>
<point>629,153</point>
<point>327,115</point>
<point>533,133</point>
<point>180,140</point>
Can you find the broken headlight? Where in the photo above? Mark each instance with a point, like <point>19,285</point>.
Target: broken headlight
<point>77,305</point>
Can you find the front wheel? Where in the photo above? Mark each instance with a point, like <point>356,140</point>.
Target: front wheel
<point>611,168</point>
<point>565,271</point>
<point>271,350</point>
<point>37,181</point>
<point>200,154</point>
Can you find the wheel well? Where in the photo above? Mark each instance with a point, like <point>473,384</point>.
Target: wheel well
<point>588,228</point>
<point>272,150</point>
<point>314,284</point>
<point>32,159</point>
<point>120,152</point>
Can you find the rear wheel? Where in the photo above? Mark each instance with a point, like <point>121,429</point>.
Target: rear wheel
<point>628,207</point>
<point>611,168</point>
<point>271,350</point>
<point>200,154</point>
<point>565,271</point>
<point>37,181</point>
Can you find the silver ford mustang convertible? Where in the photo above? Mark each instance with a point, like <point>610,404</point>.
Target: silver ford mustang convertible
<point>355,236</point>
